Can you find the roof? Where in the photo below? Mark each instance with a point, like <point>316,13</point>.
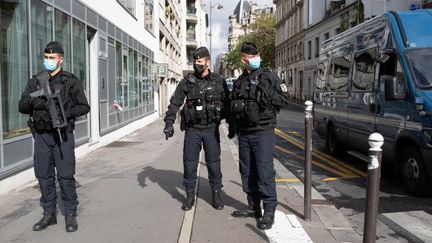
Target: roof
<point>242,7</point>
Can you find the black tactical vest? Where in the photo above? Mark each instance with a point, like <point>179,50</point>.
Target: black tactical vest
<point>203,102</point>
<point>249,104</point>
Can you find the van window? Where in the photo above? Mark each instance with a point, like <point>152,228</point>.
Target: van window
<point>338,78</point>
<point>363,73</point>
<point>321,76</point>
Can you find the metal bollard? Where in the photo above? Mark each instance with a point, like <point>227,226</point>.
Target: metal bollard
<point>376,140</point>
<point>308,161</point>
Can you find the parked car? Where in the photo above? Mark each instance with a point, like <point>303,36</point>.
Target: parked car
<point>377,77</point>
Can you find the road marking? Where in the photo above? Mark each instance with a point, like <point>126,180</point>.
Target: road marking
<point>325,167</point>
<point>325,157</point>
<point>287,228</point>
<point>287,180</point>
<point>185,234</point>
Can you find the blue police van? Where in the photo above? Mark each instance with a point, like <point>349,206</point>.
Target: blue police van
<point>377,77</point>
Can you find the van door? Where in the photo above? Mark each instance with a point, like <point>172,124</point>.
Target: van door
<point>390,117</point>
<point>362,102</point>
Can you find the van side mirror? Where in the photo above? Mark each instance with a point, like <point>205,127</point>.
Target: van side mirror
<point>382,58</point>
<point>394,87</point>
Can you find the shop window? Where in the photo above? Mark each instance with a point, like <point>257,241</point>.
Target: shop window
<point>14,67</point>
<point>62,28</point>
<point>41,32</point>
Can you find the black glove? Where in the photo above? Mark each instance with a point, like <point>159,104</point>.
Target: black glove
<point>39,104</point>
<point>168,130</point>
<point>231,134</point>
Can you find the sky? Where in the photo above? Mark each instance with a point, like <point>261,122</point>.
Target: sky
<point>220,23</point>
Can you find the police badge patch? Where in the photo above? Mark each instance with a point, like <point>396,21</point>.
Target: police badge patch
<point>284,88</point>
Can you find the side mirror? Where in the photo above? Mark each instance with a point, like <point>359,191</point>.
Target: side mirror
<point>394,87</point>
<point>382,58</point>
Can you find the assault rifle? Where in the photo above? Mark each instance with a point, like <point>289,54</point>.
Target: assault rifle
<point>55,103</point>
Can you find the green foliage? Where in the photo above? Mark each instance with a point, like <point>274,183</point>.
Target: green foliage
<point>263,34</point>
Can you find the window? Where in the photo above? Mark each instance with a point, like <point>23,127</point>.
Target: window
<point>327,36</point>
<point>321,75</point>
<point>119,75</point>
<point>14,65</point>
<point>79,51</point>
<point>148,16</point>
<point>317,46</point>
<point>129,5</point>
<point>338,80</point>
<point>363,73</point>
<point>41,32</point>
<point>62,27</point>
<point>309,50</point>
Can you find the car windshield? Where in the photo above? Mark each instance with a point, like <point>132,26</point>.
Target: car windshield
<point>421,65</point>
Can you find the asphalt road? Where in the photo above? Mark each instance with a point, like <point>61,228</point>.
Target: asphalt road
<point>342,179</point>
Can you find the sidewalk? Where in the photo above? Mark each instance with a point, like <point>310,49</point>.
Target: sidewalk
<point>131,191</point>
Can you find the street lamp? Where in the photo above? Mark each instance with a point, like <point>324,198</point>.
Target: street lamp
<point>219,6</point>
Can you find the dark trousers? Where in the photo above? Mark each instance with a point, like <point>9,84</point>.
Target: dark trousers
<point>192,146</point>
<point>257,171</point>
<point>49,156</point>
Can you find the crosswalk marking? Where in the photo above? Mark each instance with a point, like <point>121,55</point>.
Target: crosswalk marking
<point>287,228</point>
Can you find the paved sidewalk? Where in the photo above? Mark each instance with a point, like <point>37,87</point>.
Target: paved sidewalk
<point>131,191</point>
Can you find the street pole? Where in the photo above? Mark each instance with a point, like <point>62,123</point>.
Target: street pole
<point>308,161</point>
<point>211,6</point>
<point>376,140</point>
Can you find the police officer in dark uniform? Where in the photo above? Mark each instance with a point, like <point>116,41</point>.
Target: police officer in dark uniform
<point>54,148</point>
<point>256,98</point>
<point>205,93</point>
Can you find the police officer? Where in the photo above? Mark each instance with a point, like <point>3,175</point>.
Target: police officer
<point>205,94</point>
<point>54,149</point>
<point>256,97</point>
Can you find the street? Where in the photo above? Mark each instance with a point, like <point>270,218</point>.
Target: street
<point>342,179</point>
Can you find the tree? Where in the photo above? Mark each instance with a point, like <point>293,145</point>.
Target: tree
<point>263,34</point>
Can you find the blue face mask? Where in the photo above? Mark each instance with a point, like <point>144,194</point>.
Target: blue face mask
<point>255,63</point>
<point>50,65</point>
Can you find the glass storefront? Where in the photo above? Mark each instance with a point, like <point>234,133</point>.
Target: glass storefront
<point>14,68</point>
<point>129,78</point>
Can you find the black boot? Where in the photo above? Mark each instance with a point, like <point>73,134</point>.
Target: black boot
<point>189,202</point>
<point>47,220</point>
<point>266,222</point>
<point>216,200</point>
<point>249,211</point>
<point>71,223</point>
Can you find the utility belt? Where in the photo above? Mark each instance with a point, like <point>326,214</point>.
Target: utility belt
<point>201,111</point>
<point>251,113</point>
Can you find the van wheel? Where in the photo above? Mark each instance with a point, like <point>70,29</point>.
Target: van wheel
<point>333,145</point>
<point>414,174</point>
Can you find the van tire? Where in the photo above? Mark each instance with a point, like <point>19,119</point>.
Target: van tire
<point>414,174</point>
<point>333,145</point>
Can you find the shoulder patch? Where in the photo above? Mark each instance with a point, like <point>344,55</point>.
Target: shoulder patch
<point>191,79</point>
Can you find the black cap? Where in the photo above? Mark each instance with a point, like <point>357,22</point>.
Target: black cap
<point>54,47</point>
<point>249,47</point>
<point>200,52</point>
